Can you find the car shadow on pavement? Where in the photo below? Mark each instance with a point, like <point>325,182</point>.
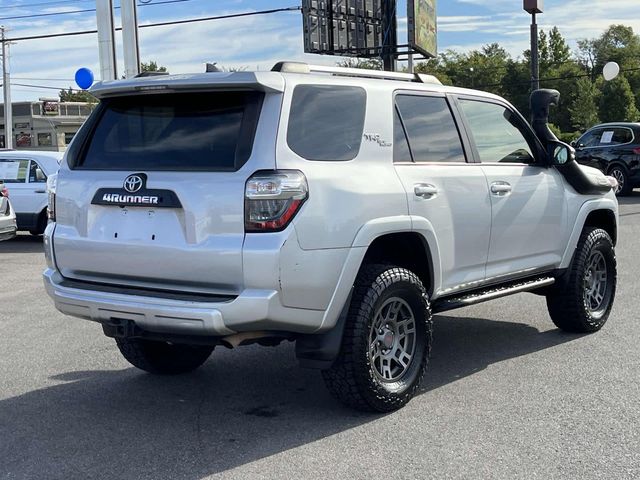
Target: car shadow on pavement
<point>241,406</point>
<point>22,243</point>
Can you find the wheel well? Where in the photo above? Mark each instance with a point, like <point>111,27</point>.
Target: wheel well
<point>617,163</point>
<point>406,249</point>
<point>604,219</point>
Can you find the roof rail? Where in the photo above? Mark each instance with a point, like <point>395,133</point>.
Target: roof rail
<point>300,67</point>
<point>151,74</point>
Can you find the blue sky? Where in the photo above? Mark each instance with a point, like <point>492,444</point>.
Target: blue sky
<point>257,42</point>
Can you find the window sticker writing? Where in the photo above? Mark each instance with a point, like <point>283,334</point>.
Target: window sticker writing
<point>607,137</point>
<point>9,170</point>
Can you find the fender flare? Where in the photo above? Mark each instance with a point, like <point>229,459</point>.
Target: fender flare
<point>586,209</point>
<point>319,350</point>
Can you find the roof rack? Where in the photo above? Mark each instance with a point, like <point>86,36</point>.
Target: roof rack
<point>301,67</point>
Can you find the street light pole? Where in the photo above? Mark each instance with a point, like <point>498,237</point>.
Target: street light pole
<point>534,7</point>
<point>535,62</point>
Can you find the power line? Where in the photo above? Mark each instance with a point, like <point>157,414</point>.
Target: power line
<point>44,87</point>
<point>44,79</point>
<point>86,10</point>
<point>55,2</point>
<point>551,79</point>
<point>20,17</point>
<point>161,24</point>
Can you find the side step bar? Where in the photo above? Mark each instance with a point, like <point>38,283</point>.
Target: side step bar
<point>491,293</point>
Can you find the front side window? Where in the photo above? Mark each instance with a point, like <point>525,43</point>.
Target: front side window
<point>13,171</point>
<point>496,132</point>
<point>205,131</point>
<point>326,122</point>
<point>36,174</point>
<point>590,139</point>
<point>430,128</point>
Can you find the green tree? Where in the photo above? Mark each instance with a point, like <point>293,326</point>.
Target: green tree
<point>584,108</point>
<point>364,63</point>
<point>617,103</point>
<point>152,66</point>
<point>72,95</point>
<point>559,51</point>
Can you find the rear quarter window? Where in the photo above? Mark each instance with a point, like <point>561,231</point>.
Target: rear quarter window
<point>326,123</point>
<point>13,171</point>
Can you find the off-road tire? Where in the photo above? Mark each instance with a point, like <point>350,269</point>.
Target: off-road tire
<point>162,358</point>
<point>622,175</point>
<point>352,378</point>
<point>567,304</point>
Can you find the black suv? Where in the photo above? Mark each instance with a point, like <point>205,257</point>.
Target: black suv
<point>613,148</point>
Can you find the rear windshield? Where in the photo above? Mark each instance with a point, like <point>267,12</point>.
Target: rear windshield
<point>327,122</point>
<point>186,131</point>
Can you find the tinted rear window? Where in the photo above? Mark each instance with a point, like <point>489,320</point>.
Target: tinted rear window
<point>327,122</point>
<point>187,131</point>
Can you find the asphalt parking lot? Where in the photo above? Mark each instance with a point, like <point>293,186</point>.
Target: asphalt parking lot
<point>507,396</point>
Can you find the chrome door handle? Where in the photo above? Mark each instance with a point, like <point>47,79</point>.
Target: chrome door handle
<point>425,190</point>
<point>40,191</point>
<point>501,189</point>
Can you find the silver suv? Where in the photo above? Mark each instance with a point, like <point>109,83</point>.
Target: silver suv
<point>336,208</point>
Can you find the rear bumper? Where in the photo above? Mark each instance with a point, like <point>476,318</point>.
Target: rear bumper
<point>252,310</point>
<point>7,233</point>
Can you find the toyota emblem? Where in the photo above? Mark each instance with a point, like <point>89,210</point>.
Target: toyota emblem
<point>133,183</point>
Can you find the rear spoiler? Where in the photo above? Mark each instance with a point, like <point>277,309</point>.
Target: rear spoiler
<point>261,81</point>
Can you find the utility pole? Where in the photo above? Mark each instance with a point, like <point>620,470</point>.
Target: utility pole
<point>534,7</point>
<point>130,42</point>
<point>390,35</point>
<point>6,87</point>
<point>106,40</point>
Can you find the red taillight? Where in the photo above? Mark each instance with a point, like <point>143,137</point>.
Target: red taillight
<point>272,199</point>
<point>4,192</point>
<point>636,151</point>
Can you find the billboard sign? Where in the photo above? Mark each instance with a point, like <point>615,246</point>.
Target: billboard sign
<point>423,27</point>
<point>343,27</point>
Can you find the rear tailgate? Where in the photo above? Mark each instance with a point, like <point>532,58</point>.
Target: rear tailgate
<point>154,196</point>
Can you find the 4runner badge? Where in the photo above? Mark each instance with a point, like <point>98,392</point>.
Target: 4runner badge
<point>375,137</point>
<point>134,193</point>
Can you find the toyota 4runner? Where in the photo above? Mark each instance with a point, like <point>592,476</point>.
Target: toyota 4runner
<point>337,208</point>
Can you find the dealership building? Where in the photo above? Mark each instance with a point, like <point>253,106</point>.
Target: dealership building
<point>45,124</point>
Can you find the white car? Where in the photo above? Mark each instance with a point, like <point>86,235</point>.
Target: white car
<point>25,173</point>
<point>7,215</point>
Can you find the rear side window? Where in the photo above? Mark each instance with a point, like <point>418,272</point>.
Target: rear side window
<point>430,128</point>
<point>327,122</point>
<point>189,131</point>
<point>616,136</point>
<point>13,171</point>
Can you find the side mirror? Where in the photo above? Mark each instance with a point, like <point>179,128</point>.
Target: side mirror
<point>40,176</point>
<point>573,144</point>
<point>561,153</point>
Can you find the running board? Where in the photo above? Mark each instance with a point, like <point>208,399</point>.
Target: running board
<point>490,293</point>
